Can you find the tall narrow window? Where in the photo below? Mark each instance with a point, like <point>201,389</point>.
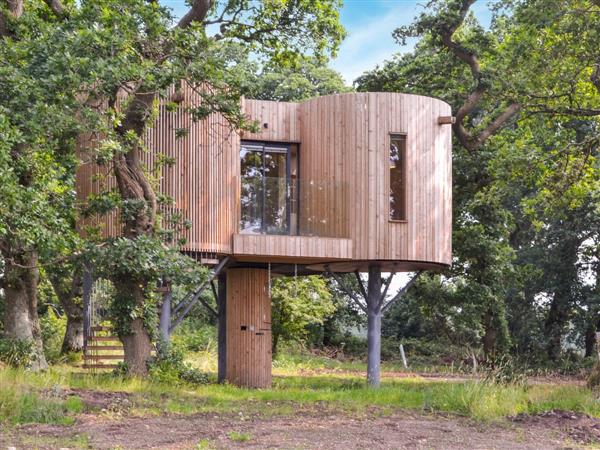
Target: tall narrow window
<point>397,177</point>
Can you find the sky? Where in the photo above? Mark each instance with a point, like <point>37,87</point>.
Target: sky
<point>369,24</point>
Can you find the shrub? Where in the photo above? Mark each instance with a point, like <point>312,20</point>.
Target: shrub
<point>17,353</point>
<point>170,367</point>
<point>53,332</point>
<point>194,337</point>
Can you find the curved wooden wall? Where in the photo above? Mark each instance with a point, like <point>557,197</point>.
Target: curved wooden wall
<point>344,145</point>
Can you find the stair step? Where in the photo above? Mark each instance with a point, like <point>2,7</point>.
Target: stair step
<point>95,348</point>
<point>103,338</point>
<point>100,366</point>
<point>100,328</point>
<point>100,357</point>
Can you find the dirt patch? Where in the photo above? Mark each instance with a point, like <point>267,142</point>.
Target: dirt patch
<point>581,428</point>
<point>317,430</point>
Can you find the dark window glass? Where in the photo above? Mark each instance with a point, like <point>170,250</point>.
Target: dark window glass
<point>266,188</point>
<point>397,177</point>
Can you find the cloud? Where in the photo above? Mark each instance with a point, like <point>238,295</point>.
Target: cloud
<point>370,41</point>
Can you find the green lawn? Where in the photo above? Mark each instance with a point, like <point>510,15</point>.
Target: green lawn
<point>46,397</point>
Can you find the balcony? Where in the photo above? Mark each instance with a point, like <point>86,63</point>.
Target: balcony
<point>284,218</point>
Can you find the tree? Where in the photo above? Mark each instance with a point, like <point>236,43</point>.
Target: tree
<point>38,126</point>
<point>517,91</point>
<point>297,303</point>
<point>148,54</point>
<point>307,79</point>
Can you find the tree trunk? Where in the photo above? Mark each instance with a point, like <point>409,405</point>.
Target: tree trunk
<point>555,326</point>
<point>73,340</point>
<point>374,304</point>
<point>138,348</point>
<point>590,340</point>
<point>137,345</point>
<point>68,287</point>
<point>21,320</point>
<point>490,336</point>
<point>274,343</point>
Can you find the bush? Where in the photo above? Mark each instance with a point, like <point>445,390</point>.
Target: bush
<point>194,336</point>
<point>169,367</point>
<point>17,353</point>
<point>53,332</point>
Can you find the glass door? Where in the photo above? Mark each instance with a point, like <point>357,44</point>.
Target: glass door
<point>265,193</point>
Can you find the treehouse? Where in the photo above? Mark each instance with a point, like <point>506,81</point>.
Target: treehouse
<point>336,183</point>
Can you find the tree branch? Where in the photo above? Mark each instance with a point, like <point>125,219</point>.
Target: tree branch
<point>197,13</point>
<point>348,291</point>
<point>402,291</point>
<point>468,140</point>
<point>57,7</point>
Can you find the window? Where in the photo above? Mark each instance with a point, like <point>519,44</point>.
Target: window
<point>267,175</point>
<point>397,177</point>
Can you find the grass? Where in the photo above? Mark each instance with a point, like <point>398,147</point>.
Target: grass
<point>237,436</point>
<point>25,398</point>
<point>20,403</point>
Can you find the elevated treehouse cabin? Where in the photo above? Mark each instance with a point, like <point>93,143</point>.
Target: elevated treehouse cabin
<point>335,183</point>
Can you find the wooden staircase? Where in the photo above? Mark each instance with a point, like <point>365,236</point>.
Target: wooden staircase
<point>102,349</point>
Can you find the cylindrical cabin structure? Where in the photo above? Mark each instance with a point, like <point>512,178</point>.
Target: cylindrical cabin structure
<point>334,183</point>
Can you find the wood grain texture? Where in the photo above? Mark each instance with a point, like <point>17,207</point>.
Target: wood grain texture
<point>203,181</point>
<point>343,178</point>
<point>248,326</point>
<point>282,248</point>
<point>344,147</point>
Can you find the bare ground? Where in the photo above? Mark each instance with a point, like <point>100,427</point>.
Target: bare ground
<point>554,430</point>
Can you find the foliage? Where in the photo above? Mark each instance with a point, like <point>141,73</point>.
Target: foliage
<point>296,303</point>
<point>526,199</point>
<point>17,353</point>
<point>307,79</point>
<point>169,367</point>
<point>194,336</point>
<point>53,331</point>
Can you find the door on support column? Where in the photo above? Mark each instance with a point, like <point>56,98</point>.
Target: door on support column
<point>248,327</point>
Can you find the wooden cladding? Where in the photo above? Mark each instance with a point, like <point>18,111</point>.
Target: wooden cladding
<point>203,181</point>
<point>343,180</point>
<point>284,248</point>
<point>248,328</point>
<point>345,141</point>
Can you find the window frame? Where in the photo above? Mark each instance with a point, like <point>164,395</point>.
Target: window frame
<point>391,136</point>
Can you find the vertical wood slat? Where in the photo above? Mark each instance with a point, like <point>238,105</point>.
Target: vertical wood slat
<point>344,151</point>
<point>248,350</point>
<point>344,140</point>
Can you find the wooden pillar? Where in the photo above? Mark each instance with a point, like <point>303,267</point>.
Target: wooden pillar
<point>222,328</point>
<point>248,325</point>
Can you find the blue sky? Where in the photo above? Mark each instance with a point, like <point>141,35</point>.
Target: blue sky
<point>369,24</point>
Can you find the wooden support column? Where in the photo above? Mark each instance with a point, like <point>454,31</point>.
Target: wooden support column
<point>222,328</point>
<point>248,328</point>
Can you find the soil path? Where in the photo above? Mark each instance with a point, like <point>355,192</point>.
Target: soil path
<point>401,430</point>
